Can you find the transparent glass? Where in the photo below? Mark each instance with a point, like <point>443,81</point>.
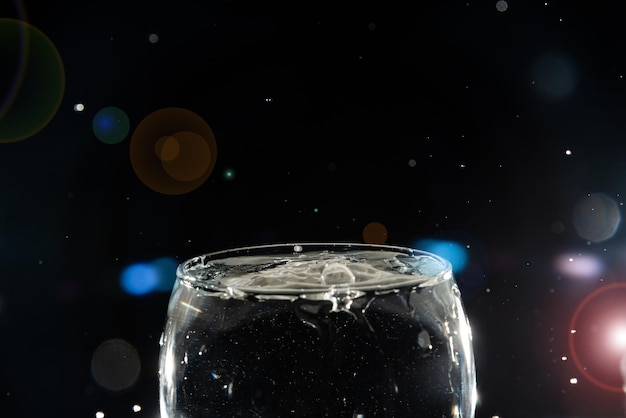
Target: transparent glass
<point>316,330</point>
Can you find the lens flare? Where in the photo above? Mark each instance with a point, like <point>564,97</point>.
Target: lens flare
<point>597,336</point>
<point>555,75</point>
<point>111,125</point>
<point>617,337</point>
<point>579,266</point>
<point>173,151</point>
<point>375,233</point>
<point>32,80</point>
<point>454,252</point>
<point>596,217</point>
<point>142,278</point>
<point>115,365</point>
<point>502,6</point>
<point>139,279</point>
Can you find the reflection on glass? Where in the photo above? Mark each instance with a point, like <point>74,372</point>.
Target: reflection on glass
<point>317,330</point>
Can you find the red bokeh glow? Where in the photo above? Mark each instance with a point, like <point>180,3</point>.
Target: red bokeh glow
<point>597,337</point>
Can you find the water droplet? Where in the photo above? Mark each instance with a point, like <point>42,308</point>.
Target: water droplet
<point>423,340</point>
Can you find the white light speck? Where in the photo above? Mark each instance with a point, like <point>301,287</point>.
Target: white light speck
<point>99,414</point>
<point>79,107</point>
<point>568,152</point>
<point>136,408</point>
<point>268,100</point>
<point>573,381</point>
<point>153,38</point>
<point>564,358</point>
<point>572,331</point>
<point>412,163</point>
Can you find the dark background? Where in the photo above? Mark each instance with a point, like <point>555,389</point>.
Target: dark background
<point>495,133</point>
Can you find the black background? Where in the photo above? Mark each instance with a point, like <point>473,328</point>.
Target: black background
<point>438,119</point>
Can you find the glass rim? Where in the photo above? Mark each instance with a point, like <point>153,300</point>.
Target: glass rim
<point>188,270</point>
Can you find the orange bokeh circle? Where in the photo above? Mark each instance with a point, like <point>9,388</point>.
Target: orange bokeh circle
<point>375,233</point>
<point>173,151</point>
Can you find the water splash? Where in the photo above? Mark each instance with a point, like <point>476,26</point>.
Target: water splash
<point>337,273</point>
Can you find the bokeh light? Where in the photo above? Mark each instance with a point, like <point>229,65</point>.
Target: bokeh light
<point>451,250</point>
<point>32,80</point>
<point>115,365</point>
<point>617,337</point>
<point>189,158</point>
<point>111,125</point>
<point>596,217</point>
<point>579,266</point>
<point>139,279</point>
<point>555,76</point>
<point>502,6</point>
<point>146,277</point>
<point>375,233</point>
<point>173,151</point>
<point>229,174</point>
<point>597,337</point>
<point>166,273</point>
